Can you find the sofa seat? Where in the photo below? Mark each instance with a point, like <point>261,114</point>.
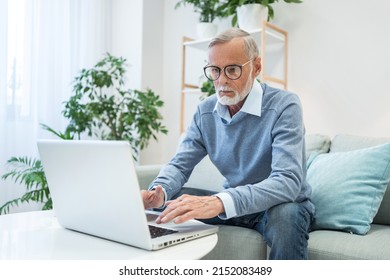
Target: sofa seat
<point>337,245</point>
<point>237,243</point>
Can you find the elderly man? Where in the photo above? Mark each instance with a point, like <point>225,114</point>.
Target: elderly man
<point>254,135</point>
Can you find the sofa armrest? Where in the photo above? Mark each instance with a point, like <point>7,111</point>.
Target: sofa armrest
<point>146,174</point>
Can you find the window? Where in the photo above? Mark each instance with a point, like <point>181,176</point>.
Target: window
<point>17,96</point>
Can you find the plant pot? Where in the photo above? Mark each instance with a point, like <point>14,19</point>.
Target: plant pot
<point>250,16</point>
<point>206,30</point>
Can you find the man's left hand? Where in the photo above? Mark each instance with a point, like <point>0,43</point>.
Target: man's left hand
<point>188,207</point>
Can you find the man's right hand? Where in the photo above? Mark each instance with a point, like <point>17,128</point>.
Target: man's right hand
<point>154,198</point>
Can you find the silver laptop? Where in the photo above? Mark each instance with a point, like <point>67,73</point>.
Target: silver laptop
<point>95,190</point>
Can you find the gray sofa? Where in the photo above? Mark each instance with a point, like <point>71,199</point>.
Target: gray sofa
<point>324,244</point>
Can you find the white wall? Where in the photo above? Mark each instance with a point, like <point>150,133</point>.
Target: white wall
<point>126,37</point>
<point>152,65</point>
<point>339,65</point>
<point>137,35</point>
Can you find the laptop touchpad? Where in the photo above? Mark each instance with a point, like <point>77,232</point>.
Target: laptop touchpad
<point>151,217</point>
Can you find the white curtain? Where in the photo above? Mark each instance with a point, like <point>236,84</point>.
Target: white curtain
<point>43,46</point>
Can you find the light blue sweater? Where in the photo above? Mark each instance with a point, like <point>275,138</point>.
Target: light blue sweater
<point>260,151</point>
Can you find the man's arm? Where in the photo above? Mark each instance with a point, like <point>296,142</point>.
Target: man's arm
<point>190,152</point>
<point>184,208</point>
<point>188,207</point>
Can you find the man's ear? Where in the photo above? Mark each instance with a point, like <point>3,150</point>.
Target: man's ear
<point>257,66</point>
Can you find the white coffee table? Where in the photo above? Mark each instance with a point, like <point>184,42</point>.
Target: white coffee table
<point>38,236</point>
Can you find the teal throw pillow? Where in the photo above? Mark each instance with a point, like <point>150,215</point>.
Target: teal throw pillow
<point>348,187</point>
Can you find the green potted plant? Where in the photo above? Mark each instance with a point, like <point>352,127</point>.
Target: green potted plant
<point>255,11</point>
<point>28,172</point>
<point>208,11</point>
<point>100,107</point>
<point>103,108</point>
<point>207,89</point>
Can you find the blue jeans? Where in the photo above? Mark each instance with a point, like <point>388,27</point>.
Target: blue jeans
<point>284,227</point>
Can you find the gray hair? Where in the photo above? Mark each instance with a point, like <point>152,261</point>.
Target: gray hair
<point>250,46</point>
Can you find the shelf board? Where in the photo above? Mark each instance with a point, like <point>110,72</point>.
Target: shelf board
<point>192,90</point>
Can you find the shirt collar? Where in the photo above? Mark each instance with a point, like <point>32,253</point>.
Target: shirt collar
<point>251,106</point>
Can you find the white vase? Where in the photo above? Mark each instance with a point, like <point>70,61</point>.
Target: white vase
<point>206,30</point>
<point>250,16</point>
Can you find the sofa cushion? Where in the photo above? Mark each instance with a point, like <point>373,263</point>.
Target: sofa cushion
<point>146,174</point>
<point>345,142</point>
<point>348,187</point>
<point>317,143</point>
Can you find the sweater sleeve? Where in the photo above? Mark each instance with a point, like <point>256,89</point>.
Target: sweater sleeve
<point>190,152</point>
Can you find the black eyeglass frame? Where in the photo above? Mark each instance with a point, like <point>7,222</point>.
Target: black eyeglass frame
<point>224,70</point>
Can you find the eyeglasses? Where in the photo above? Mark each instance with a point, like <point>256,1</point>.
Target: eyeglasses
<point>233,72</point>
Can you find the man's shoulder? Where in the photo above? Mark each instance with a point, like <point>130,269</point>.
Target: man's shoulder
<point>277,97</point>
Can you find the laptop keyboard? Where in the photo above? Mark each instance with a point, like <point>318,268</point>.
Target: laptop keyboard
<point>159,231</point>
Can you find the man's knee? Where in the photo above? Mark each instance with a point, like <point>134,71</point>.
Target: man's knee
<point>284,211</point>
<point>286,230</point>
<point>290,216</point>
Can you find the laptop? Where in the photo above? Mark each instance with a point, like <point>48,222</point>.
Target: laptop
<point>95,190</point>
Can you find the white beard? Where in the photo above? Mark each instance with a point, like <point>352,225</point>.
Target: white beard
<point>230,101</point>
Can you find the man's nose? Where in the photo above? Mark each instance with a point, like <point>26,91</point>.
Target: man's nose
<point>223,78</point>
